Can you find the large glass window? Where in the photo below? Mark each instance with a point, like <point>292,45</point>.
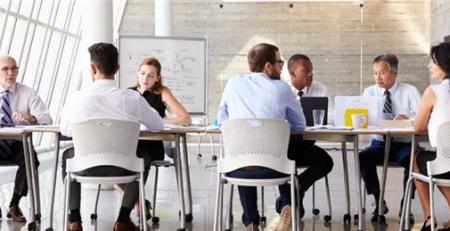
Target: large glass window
<point>43,36</point>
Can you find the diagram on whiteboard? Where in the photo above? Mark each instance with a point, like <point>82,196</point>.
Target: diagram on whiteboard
<point>183,66</point>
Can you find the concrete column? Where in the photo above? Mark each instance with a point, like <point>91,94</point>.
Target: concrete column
<point>97,21</point>
<point>97,26</point>
<point>163,18</point>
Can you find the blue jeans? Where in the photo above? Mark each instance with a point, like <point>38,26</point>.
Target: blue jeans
<point>248,195</point>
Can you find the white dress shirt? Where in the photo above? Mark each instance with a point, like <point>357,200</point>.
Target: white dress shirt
<point>257,96</point>
<point>441,110</point>
<point>103,100</point>
<point>24,99</point>
<point>405,101</point>
<point>316,89</point>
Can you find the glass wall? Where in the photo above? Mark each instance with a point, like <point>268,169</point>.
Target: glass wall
<point>43,36</point>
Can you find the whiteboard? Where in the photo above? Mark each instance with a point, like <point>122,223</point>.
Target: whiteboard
<point>183,66</point>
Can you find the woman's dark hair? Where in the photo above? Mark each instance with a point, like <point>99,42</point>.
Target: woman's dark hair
<point>158,86</point>
<point>440,54</point>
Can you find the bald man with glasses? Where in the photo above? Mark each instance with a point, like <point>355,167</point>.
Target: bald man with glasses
<point>20,105</point>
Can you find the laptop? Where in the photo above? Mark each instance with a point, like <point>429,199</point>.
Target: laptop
<point>313,103</point>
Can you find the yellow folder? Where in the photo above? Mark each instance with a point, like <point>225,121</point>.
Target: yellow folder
<point>350,111</point>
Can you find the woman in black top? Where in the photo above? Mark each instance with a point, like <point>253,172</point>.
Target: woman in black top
<point>149,85</point>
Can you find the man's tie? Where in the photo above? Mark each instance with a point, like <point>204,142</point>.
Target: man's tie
<point>6,109</point>
<point>387,109</point>
<point>300,94</point>
<point>5,145</point>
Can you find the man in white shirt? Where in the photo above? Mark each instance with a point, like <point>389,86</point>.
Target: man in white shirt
<point>400,102</point>
<point>104,100</point>
<point>301,72</point>
<point>20,105</point>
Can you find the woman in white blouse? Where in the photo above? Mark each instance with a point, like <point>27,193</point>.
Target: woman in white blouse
<point>433,111</point>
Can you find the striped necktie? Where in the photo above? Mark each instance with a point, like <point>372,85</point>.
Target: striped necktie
<point>387,109</point>
<point>5,145</point>
<point>6,108</point>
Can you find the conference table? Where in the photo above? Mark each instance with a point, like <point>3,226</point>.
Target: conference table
<point>178,134</point>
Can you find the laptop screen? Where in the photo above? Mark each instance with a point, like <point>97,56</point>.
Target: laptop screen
<point>313,103</point>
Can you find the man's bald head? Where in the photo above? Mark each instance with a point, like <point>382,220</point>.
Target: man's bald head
<point>8,71</point>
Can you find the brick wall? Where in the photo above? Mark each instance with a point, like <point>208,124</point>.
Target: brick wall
<point>328,32</point>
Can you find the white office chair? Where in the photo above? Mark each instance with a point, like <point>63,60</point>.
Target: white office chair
<point>254,142</point>
<point>108,142</point>
<point>437,166</point>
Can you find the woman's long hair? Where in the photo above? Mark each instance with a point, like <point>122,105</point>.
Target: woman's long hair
<point>158,86</point>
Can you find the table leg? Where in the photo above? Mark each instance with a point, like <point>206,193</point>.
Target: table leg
<point>407,203</point>
<point>347,216</point>
<point>358,181</point>
<point>387,148</point>
<point>187,179</point>
<point>35,177</point>
<point>179,176</point>
<point>29,176</point>
<point>55,171</point>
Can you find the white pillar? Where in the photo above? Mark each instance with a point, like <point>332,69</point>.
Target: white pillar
<point>97,21</point>
<point>97,26</point>
<point>163,18</point>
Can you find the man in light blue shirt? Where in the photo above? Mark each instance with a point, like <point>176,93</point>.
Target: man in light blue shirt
<point>400,102</point>
<point>261,94</point>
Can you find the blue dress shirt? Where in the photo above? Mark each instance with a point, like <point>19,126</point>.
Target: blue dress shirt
<point>405,100</point>
<point>257,96</point>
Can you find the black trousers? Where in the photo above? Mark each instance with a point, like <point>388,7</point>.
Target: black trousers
<point>316,160</point>
<point>16,157</point>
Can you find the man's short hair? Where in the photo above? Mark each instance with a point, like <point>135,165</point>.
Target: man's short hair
<point>259,55</point>
<point>105,56</point>
<point>293,59</point>
<point>391,59</point>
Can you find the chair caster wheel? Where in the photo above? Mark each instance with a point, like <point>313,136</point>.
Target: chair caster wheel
<point>49,229</point>
<point>327,218</point>
<point>8,215</point>
<point>155,220</point>
<point>214,157</point>
<point>32,226</point>
<point>382,220</point>
<point>355,218</point>
<point>364,210</point>
<point>227,229</point>
<point>181,229</point>
<point>263,219</point>
<point>37,217</point>
<point>316,211</point>
<point>93,216</point>
<point>347,218</point>
<point>189,217</point>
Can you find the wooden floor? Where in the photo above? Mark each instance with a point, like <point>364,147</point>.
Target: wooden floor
<point>203,176</point>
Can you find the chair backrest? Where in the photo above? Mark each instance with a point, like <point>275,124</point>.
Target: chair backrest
<point>255,142</point>
<point>442,162</point>
<point>312,103</point>
<point>100,142</point>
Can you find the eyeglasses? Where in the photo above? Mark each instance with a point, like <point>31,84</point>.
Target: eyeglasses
<point>6,69</point>
<point>281,62</point>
